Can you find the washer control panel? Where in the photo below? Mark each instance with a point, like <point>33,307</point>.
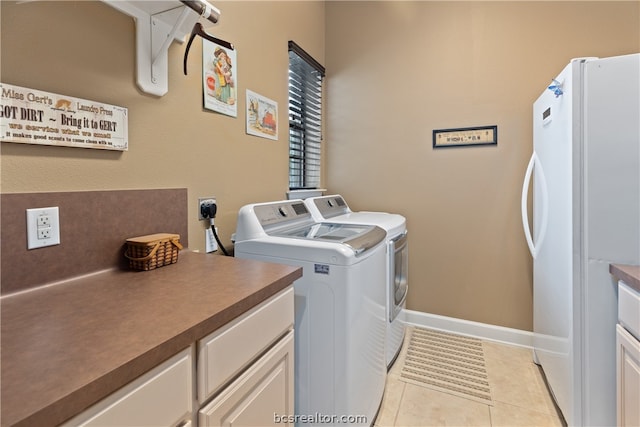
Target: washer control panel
<point>281,213</point>
<point>330,206</point>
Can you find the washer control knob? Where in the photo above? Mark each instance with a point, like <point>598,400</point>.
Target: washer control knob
<point>282,211</point>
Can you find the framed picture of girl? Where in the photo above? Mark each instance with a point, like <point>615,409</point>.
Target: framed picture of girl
<point>219,78</point>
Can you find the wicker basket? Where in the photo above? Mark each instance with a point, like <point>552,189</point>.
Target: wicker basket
<point>153,251</point>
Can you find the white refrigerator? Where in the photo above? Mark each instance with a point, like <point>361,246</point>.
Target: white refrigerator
<point>586,215</point>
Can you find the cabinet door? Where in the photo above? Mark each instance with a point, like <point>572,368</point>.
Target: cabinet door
<point>628,370</point>
<point>261,396</point>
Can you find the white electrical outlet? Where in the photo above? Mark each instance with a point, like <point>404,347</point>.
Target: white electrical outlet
<point>43,227</point>
<point>44,220</point>
<point>44,233</point>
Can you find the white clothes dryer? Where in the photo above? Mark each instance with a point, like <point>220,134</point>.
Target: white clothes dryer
<point>334,208</point>
<point>340,368</point>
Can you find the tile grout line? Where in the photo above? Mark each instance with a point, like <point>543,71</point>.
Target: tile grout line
<point>397,410</point>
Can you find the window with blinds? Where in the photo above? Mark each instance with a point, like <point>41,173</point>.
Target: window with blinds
<point>305,119</point>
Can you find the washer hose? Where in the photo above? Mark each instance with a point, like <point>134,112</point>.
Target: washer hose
<point>208,210</point>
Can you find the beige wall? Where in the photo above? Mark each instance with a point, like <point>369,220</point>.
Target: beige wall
<point>87,50</point>
<point>398,70</point>
<point>395,71</point>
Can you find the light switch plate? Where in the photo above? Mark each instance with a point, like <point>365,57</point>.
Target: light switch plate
<point>43,227</point>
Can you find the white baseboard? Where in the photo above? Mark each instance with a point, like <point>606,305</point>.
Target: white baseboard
<point>482,331</point>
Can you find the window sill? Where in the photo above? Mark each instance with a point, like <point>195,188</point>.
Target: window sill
<point>304,194</point>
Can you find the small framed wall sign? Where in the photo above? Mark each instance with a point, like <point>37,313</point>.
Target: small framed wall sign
<point>462,137</point>
<point>32,116</point>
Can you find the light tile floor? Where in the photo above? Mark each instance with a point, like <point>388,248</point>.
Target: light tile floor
<point>520,396</point>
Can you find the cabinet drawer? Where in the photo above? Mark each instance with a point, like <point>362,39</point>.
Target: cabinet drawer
<point>161,397</point>
<point>223,354</point>
<point>629,309</point>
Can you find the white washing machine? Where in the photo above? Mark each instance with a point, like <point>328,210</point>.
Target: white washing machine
<point>334,208</point>
<point>340,368</point>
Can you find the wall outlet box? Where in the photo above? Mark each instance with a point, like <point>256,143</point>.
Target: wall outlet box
<point>43,227</point>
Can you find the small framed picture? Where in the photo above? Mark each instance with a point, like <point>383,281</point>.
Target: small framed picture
<point>219,78</point>
<point>262,116</point>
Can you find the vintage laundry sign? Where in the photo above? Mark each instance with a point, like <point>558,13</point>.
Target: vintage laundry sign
<point>31,116</point>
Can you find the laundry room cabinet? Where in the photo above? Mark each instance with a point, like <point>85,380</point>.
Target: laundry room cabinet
<point>261,396</point>
<point>628,356</point>
<point>246,368</point>
<point>243,376</point>
<point>628,378</point>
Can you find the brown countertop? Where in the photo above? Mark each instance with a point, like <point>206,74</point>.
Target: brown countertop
<point>68,345</point>
<point>629,274</point>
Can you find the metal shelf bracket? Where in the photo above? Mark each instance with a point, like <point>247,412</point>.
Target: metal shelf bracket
<point>158,24</point>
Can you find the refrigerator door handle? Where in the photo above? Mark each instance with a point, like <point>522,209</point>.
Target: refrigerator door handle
<point>534,163</point>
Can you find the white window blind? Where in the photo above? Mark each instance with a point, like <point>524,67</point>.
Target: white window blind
<point>305,119</point>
